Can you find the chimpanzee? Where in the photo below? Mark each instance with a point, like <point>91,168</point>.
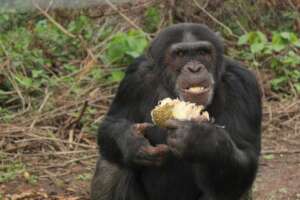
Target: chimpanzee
<point>186,160</point>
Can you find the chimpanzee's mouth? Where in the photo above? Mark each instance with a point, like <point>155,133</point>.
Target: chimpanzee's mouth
<point>196,90</point>
<point>200,95</point>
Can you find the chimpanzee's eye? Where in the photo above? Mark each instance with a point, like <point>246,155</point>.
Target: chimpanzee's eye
<point>180,53</point>
<point>204,51</point>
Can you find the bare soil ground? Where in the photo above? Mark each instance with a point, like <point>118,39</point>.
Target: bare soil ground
<point>279,173</point>
<point>67,175</point>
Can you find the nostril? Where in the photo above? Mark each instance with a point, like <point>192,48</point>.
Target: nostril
<point>195,68</point>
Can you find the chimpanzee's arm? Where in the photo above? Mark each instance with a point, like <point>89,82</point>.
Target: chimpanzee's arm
<point>233,151</point>
<point>224,153</point>
<point>121,134</point>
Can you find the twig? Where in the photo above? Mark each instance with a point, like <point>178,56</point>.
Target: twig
<point>41,108</point>
<point>10,76</point>
<point>4,64</point>
<point>293,5</point>
<point>51,153</point>
<point>59,140</point>
<point>125,17</point>
<point>72,161</point>
<point>85,105</point>
<point>52,175</point>
<point>280,152</point>
<point>4,49</point>
<point>60,27</point>
<point>214,19</point>
<point>77,120</point>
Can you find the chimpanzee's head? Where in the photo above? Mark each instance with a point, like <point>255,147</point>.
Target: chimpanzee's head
<point>190,59</point>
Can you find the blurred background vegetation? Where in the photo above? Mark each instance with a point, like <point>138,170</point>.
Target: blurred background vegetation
<point>59,69</point>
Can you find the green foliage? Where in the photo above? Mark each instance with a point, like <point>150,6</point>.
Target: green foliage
<point>83,26</point>
<point>84,177</point>
<point>117,76</point>
<point>281,53</point>
<point>44,58</point>
<point>56,45</point>
<point>257,41</point>
<point>6,114</point>
<point>123,47</point>
<point>9,19</point>
<point>269,157</point>
<point>32,179</point>
<point>152,19</point>
<point>11,171</point>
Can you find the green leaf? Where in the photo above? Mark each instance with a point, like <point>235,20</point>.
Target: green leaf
<point>125,46</point>
<point>269,157</point>
<point>278,47</point>
<point>257,47</point>
<point>262,37</point>
<point>286,35</point>
<point>275,63</point>
<point>291,59</point>
<point>24,81</point>
<point>297,43</point>
<point>96,74</point>
<point>278,82</point>
<point>243,39</point>
<point>278,43</point>
<point>293,38</point>
<point>297,87</point>
<point>71,68</point>
<point>37,73</point>
<point>117,76</point>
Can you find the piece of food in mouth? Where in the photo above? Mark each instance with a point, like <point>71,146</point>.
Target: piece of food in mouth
<point>175,109</point>
<point>195,90</point>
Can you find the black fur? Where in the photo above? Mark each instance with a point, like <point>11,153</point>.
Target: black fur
<point>221,160</point>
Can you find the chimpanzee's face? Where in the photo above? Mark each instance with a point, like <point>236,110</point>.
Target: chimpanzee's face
<point>191,58</point>
<point>192,64</point>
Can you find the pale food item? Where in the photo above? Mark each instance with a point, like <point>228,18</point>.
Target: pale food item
<point>195,90</point>
<point>175,109</point>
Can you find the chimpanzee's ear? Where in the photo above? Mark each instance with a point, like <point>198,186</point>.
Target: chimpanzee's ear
<point>218,33</point>
<point>148,51</point>
<point>152,52</point>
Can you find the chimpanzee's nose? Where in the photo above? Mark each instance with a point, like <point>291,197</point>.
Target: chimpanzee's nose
<point>195,68</point>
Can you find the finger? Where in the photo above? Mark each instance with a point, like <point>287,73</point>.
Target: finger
<point>161,149</point>
<point>172,141</point>
<point>149,160</point>
<point>176,152</point>
<point>200,119</point>
<point>145,162</point>
<point>140,127</point>
<point>175,147</point>
<point>157,150</point>
<point>152,154</point>
<point>172,123</point>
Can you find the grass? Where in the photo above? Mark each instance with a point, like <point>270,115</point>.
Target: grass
<point>9,171</point>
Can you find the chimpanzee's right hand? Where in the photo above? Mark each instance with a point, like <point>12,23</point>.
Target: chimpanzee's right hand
<point>140,151</point>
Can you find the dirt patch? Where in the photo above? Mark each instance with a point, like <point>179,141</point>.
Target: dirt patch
<point>278,178</point>
<point>279,173</point>
<point>66,175</point>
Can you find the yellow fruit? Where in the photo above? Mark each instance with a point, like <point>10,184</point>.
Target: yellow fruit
<point>176,109</point>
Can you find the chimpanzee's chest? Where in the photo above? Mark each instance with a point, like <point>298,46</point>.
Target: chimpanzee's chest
<point>172,182</point>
